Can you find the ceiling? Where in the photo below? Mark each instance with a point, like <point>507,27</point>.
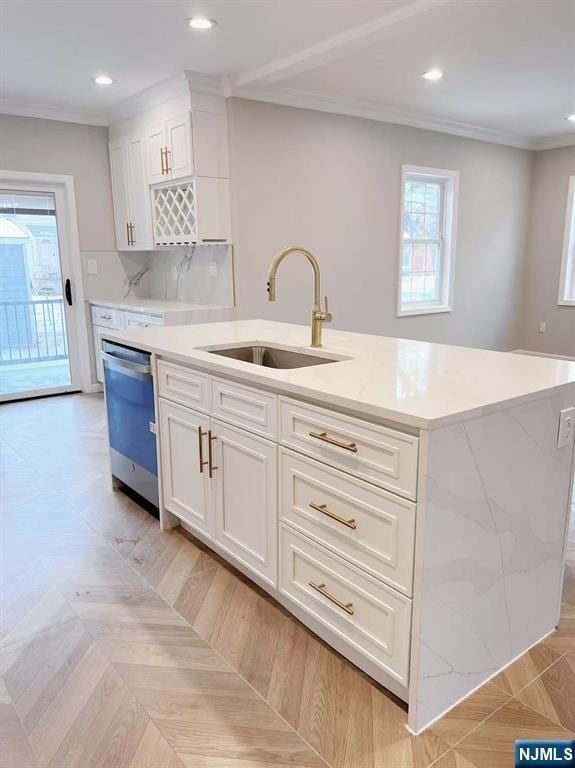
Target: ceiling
<point>509,64</point>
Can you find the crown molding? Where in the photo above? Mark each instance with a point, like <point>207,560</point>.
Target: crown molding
<point>371,111</point>
<point>554,142</point>
<point>182,84</point>
<point>51,112</point>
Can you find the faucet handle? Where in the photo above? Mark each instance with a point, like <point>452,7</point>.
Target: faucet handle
<point>327,316</point>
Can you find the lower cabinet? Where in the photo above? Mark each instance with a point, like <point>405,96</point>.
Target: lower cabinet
<point>186,484</point>
<point>245,489</point>
<point>335,549</point>
<point>222,481</point>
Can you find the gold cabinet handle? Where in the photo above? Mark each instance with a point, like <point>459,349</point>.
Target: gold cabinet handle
<point>128,233</point>
<point>325,511</point>
<point>201,434</point>
<point>132,238</point>
<point>162,160</point>
<point>212,466</point>
<point>347,607</point>
<point>166,153</point>
<point>324,437</point>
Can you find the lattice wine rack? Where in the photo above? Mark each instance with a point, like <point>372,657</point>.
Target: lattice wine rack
<point>175,217</point>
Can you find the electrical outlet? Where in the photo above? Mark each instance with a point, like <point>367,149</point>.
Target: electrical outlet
<point>174,273</point>
<point>566,427</point>
<point>213,269</point>
<point>542,327</point>
<point>92,266</point>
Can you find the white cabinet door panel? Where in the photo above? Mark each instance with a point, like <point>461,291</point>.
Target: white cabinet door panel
<point>179,143</point>
<point>139,192</point>
<point>119,176</point>
<point>155,145</point>
<point>246,498</point>
<point>186,484</point>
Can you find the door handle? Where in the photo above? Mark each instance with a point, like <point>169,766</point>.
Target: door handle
<point>203,463</point>
<point>68,291</point>
<point>211,465</point>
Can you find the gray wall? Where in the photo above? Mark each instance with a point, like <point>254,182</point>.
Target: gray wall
<point>551,171</point>
<point>332,183</point>
<point>81,151</point>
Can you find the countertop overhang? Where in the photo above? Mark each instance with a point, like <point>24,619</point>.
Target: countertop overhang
<point>415,383</point>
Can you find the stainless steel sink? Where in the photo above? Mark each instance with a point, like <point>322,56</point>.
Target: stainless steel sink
<point>273,357</point>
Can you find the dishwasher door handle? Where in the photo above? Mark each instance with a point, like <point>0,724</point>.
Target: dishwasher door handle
<point>119,362</point>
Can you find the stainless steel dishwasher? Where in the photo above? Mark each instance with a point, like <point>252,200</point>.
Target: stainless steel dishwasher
<point>131,419</point>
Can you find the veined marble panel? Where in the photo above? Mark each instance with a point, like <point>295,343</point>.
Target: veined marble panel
<point>493,515</point>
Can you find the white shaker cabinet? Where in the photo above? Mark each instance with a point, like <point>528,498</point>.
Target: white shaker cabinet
<point>186,482</point>
<point>138,194</point>
<point>132,212</point>
<point>169,149</point>
<point>119,176</point>
<point>245,486</point>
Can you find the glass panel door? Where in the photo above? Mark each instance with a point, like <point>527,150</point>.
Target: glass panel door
<point>34,344</point>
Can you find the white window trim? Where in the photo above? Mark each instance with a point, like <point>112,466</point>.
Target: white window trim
<point>568,265</point>
<point>445,304</point>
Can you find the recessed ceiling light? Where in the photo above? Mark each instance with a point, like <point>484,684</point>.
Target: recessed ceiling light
<point>200,22</point>
<point>103,80</point>
<point>432,74</point>
<point>571,117</point>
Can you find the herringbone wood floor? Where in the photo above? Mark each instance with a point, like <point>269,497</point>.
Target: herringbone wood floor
<point>124,647</point>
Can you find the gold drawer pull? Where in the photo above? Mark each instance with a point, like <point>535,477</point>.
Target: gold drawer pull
<point>211,464</point>
<point>347,607</point>
<point>323,436</point>
<point>325,511</point>
<point>201,434</point>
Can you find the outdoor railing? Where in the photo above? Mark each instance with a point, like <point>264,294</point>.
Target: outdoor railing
<point>32,331</point>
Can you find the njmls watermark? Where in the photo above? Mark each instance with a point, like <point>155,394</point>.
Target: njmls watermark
<point>532,754</point>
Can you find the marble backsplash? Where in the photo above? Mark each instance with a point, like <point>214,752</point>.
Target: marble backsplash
<point>201,274</point>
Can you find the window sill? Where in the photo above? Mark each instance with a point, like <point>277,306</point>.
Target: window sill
<point>566,303</point>
<point>424,311</point>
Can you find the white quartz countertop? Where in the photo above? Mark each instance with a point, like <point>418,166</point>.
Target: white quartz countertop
<point>415,383</point>
<point>153,305</point>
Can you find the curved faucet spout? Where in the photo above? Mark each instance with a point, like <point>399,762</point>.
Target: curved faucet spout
<point>318,317</point>
<point>278,260</point>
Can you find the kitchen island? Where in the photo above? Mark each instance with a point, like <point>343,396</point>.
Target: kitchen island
<point>407,501</point>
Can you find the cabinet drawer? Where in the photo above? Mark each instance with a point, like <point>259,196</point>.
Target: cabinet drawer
<point>107,318</point>
<point>139,320</point>
<point>372,528</point>
<point>183,385</point>
<point>362,610</point>
<point>246,407</point>
<point>378,454</point>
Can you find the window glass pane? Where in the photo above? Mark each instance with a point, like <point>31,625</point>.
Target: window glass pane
<point>421,253</point>
<point>421,204</point>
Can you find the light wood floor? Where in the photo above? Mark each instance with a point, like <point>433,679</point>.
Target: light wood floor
<point>124,647</point>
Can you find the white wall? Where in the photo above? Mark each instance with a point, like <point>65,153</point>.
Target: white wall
<point>50,146</point>
<point>551,171</point>
<point>332,184</point>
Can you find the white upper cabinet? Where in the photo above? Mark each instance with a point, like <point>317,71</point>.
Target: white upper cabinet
<point>119,175</point>
<point>169,149</point>
<point>179,159</point>
<point>132,210</point>
<point>155,150</point>
<point>138,193</point>
<point>170,176</point>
